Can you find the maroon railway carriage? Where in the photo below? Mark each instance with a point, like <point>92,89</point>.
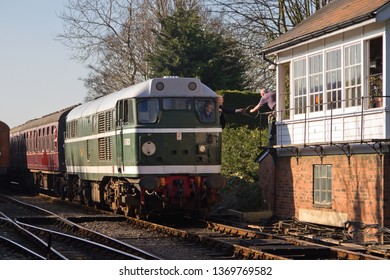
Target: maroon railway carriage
<point>37,151</point>
<point>4,150</point>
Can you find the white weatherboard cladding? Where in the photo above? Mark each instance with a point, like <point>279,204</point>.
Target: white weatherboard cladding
<point>353,127</point>
<point>172,87</point>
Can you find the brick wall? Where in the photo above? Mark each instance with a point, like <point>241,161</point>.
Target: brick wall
<point>386,200</point>
<point>358,188</point>
<point>267,183</point>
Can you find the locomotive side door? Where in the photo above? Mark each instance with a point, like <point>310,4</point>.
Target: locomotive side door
<point>119,123</point>
<point>124,121</point>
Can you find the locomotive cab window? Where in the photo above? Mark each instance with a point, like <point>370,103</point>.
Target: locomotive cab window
<point>177,104</point>
<point>206,110</point>
<point>147,110</point>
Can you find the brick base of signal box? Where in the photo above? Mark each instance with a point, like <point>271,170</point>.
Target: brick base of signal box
<point>360,189</point>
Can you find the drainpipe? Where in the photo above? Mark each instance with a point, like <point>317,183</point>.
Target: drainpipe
<point>268,60</point>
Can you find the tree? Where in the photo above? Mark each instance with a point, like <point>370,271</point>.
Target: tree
<point>113,38</point>
<point>258,22</point>
<point>188,48</point>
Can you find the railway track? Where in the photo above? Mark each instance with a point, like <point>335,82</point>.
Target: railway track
<point>184,240</point>
<point>250,244</point>
<point>62,239</point>
<point>18,243</point>
<point>292,247</point>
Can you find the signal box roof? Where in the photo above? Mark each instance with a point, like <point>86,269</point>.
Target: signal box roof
<point>336,15</point>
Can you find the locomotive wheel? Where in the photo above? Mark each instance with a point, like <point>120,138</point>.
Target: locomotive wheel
<point>115,206</point>
<point>63,191</point>
<point>88,201</point>
<point>128,211</point>
<point>139,214</point>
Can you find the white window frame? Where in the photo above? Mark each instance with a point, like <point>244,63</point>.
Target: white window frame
<point>353,68</point>
<point>299,88</point>
<point>338,71</point>
<point>322,185</point>
<point>316,79</point>
<point>305,79</point>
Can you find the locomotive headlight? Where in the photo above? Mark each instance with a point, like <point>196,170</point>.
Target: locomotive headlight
<point>160,86</point>
<point>192,86</point>
<point>148,148</point>
<point>202,149</point>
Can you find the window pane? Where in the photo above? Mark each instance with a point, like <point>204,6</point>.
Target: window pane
<point>147,111</point>
<point>300,90</point>
<point>329,169</point>
<point>206,110</point>
<point>322,189</point>
<point>353,75</point>
<point>177,103</point>
<point>333,79</point>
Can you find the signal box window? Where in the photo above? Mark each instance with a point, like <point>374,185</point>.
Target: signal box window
<point>300,90</point>
<point>322,185</point>
<point>375,77</point>
<point>352,73</point>
<point>147,111</point>
<point>316,86</point>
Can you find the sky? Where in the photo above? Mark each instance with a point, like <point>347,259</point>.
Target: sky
<point>37,74</point>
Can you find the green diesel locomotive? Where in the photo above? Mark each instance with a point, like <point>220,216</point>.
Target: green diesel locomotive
<point>152,146</point>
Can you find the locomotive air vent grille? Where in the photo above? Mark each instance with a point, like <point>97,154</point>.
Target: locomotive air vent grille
<point>101,123</point>
<point>102,149</point>
<point>108,148</point>
<point>105,148</point>
<point>108,121</point>
<point>88,151</point>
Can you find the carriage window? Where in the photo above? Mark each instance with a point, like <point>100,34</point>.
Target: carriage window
<point>35,140</point>
<point>177,104</point>
<point>147,111</point>
<point>206,110</point>
<point>48,138</point>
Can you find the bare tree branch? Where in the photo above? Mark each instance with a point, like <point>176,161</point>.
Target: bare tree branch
<point>255,23</point>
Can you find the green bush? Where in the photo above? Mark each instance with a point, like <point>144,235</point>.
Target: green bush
<point>240,147</point>
<point>240,195</point>
<point>239,151</point>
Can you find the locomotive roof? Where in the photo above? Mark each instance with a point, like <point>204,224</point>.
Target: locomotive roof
<point>172,87</point>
